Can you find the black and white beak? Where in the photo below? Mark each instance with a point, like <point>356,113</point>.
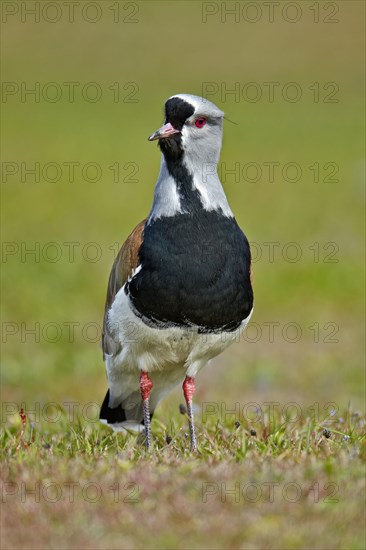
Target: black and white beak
<point>164,132</point>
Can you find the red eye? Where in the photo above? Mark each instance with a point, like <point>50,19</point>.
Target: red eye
<point>200,122</point>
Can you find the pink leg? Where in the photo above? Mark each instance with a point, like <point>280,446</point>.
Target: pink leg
<point>145,388</point>
<point>188,390</point>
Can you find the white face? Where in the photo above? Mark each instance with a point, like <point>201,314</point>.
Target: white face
<point>202,132</point>
<point>199,135</point>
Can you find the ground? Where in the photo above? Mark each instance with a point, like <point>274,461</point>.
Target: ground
<point>291,485</point>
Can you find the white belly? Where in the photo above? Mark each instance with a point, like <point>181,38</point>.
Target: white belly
<point>167,354</point>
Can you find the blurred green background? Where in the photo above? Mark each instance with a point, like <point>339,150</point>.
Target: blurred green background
<point>168,50</point>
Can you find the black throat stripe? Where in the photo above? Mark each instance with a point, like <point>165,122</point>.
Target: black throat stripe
<point>176,112</point>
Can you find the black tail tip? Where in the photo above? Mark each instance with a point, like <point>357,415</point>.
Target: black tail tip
<point>109,415</point>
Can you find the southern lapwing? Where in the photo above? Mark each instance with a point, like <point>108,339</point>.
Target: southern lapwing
<point>180,287</point>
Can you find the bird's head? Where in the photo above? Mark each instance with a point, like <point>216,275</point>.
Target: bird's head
<point>192,129</point>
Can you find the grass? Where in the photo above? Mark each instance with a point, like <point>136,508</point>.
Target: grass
<point>250,484</point>
<point>51,360</point>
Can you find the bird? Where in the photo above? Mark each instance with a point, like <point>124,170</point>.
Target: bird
<point>180,287</point>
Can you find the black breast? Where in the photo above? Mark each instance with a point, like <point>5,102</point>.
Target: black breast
<point>195,271</point>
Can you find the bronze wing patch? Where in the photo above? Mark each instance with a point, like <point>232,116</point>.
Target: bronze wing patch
<point>125,263</point>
